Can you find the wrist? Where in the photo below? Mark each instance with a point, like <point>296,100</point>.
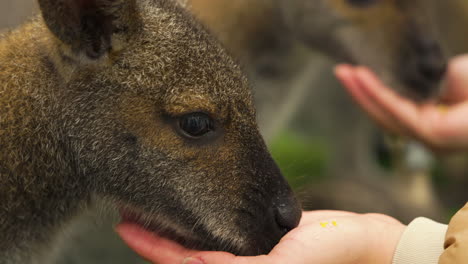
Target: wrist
<point>390,240</point>
<point>384,234</point>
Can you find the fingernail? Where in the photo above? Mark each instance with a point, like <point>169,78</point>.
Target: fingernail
<point>192,261</point>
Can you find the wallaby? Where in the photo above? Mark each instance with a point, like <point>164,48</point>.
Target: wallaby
<point>131,102</point>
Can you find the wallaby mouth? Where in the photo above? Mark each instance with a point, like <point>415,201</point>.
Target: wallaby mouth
<point>151,226</point>
<point>284,215</point>
<point>155,229</point>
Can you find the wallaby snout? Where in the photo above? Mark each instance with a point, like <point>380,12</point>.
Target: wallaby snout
<point>424,66</point>
<point>277,211</point>
<point>287,213</point>
<point>284,207</point>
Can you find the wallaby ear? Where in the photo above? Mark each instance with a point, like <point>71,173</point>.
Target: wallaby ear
<point>87,26</point>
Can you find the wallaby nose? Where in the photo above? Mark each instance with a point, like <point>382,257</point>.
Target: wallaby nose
<point>433,67</point>
<point>424,67</point>
<point>287,213</point>
<point>287,218</point>
<point>432,64</point>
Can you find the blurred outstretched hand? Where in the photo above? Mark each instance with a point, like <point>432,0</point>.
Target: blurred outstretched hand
<point>442,125</point>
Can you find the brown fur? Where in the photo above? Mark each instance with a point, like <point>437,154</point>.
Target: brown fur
<point>91,111</point>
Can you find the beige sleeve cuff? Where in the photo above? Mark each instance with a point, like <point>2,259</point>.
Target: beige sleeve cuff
<point>421,242</point>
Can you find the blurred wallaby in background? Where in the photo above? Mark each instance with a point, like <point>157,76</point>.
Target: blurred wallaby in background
<point>12,13</point>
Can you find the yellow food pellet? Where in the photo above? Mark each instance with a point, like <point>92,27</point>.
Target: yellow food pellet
<point>324,224</point>
<point>335,223</point>
<point>442,108</point>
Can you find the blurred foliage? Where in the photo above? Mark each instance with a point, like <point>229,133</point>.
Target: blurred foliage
<point>301,159</point>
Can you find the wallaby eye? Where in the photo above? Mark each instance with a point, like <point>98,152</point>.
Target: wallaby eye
<point>196,125</point>
<point>362,3</point>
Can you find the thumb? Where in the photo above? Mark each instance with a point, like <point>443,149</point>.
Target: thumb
<point>457,80</point>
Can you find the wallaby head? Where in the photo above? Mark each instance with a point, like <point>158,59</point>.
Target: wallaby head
<point>132,102</point>
<point>393,37</point>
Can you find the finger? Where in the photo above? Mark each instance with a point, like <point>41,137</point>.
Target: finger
<point>346,74</point>
<point>405,114</point>
<point>441,130</point>
<point>456,89</point>
<point>151,247</point>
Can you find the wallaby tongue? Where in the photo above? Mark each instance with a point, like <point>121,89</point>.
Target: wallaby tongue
<point>151,246</point>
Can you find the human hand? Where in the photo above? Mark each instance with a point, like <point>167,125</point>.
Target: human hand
<point>323,237</point>
<point>443,126</point>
